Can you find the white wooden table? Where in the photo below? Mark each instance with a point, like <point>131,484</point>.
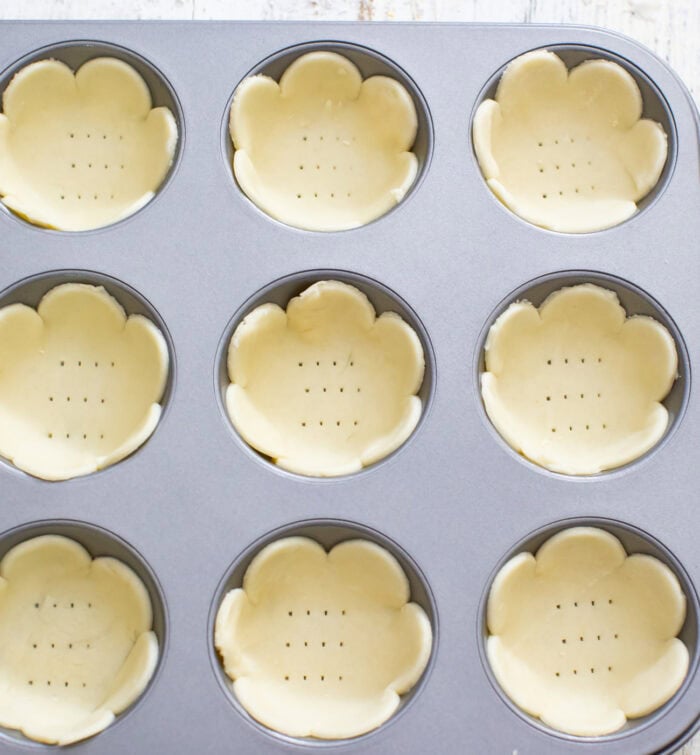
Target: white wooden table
<point>671,28</point>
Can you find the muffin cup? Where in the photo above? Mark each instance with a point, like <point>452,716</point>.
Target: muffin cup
<point>315,183</point>
<point>74,334</point>
<point>335,393</point>
<point>62,637</point>
<point>97,159</point>
<point>591,168</point>
<point>319,609</point>
<point>602,623</point>
<point>559,405</point>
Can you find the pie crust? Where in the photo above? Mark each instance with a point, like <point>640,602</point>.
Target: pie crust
<point>583,636</point>
<point>322,644</point>
<point>568,150</point>
<point>323,150</point>
<point>324,387</point>
<point>76,639</point>
<point>575,385</point>
<point>81,382</point>
<point>82,150</point>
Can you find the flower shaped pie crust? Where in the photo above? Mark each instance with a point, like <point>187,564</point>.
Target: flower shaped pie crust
<point>323,150</point>
<point>322,644</point>
<point>583,636</point>
<point>83,150</point>
<point>325,387</point>
<point>576,386</point>
<point>80,382</point>
<point>76,639</point>
<point>568,150</point>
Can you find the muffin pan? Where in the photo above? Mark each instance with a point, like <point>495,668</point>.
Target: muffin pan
<point>454,502</point>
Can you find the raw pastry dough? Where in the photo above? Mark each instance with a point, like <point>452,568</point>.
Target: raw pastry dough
<point>575,386</point>
<point>584,636</point>
<point>75,642</point>
<point>566,150</point>
<point>322,644</point>
<point>323,149</point>
<point>83,150</point>
<point>325,387</point>
<point>80,382</point>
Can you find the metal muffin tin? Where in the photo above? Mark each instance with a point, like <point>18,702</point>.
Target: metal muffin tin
<point>454,499</point>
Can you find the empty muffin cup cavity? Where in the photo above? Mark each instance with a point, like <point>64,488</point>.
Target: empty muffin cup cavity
<point>322,631</point>
<point>590,626</point>
<point>582,373</point>
<point>325,374</point>
<point>327,137</point>
<point>88,134</point>
<point>86,373</point>
<point>82,624</point>
<point>573,139</point>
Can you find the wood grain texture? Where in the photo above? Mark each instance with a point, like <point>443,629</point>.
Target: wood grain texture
<point>669,27</point>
